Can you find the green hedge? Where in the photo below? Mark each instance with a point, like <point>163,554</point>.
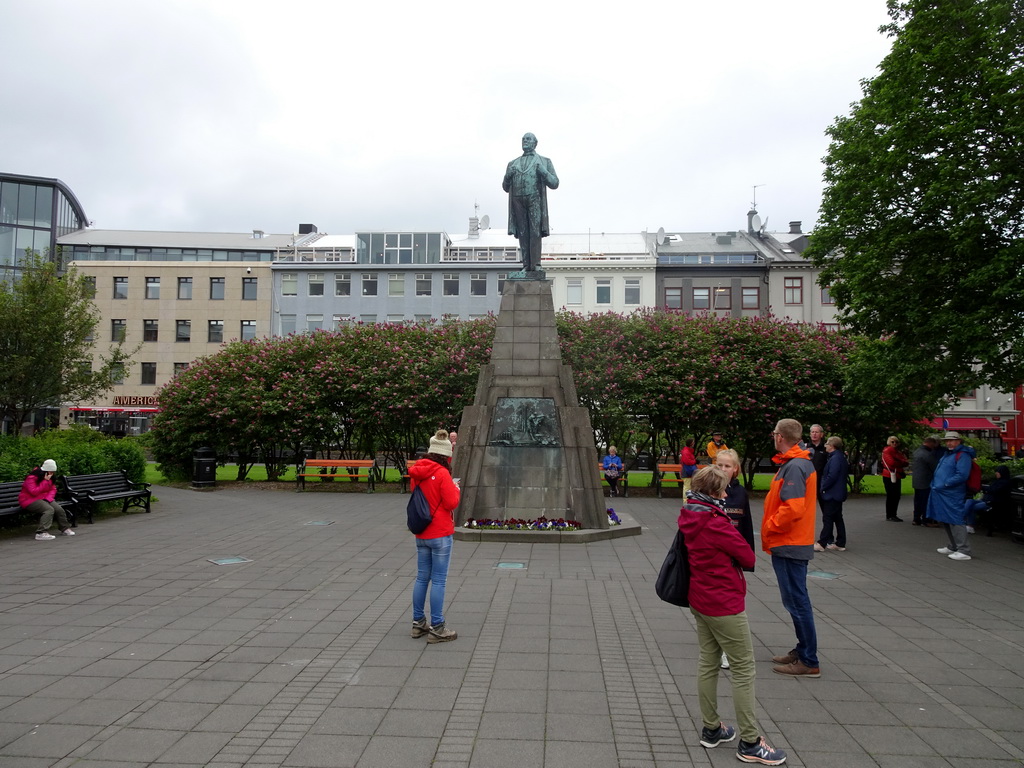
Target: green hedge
<point>77,451</point>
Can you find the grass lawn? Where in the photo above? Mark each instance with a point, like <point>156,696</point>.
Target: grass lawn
<point>872,484</point>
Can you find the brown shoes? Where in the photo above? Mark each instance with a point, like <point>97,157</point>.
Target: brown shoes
<point>789,658</point>
<point>797,669</point>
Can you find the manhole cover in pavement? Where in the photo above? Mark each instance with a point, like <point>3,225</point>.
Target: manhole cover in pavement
<point>822,575</point>
<point>320,522</point>
<point>510,566</point>
<point>229,560</point>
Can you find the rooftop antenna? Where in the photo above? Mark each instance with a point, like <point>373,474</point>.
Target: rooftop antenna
<point>753,204</point>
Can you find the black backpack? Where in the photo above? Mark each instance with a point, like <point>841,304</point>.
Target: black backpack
<point>673,583</point>
<point>418,511</point>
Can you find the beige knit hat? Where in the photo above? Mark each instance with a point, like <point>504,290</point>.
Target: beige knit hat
<point>440,444</point>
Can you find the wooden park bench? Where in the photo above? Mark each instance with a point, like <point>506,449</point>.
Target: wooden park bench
<point>663,470</point>
<point>86,491</point>
<point>623,479</point>
<point>328,469</point>
<point>405,475</point>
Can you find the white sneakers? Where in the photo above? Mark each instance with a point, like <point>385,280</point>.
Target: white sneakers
<point>67,532</point>
<point>944,551</point>
<point>958,556</point>
<point>44,536</point>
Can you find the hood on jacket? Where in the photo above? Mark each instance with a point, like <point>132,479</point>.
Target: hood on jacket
<point>796,452</point>
<point>694,515</point>
<point>423,469</point>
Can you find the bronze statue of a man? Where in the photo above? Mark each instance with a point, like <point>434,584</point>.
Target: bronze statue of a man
<point>527,179</point>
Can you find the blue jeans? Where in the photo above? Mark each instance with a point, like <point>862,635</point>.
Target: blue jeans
<point>432,558</point>
<point>792,576</point>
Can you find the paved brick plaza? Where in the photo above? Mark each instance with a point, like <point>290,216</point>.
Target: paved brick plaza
<point>125,647</point>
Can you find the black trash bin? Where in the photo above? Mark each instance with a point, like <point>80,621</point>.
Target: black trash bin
<point>204,468</point>
<point>643,462</point>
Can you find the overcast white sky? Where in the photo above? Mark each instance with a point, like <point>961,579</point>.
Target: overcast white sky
<point>227,115</point>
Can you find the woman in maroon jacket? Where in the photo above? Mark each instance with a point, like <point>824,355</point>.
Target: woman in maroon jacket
<point>717,555</point>
<point>433,474</point>
<point>894,469</point>
<point>37,497</point>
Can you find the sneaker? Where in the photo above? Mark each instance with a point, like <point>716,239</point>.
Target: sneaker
<point>441,634</point>
<point>944,551</point>
<point>712,737</point>
<point>958,556</point>
<point>725,662</point>
<point>789,658</point>
<point>970,529</point>
<point>894,519</point>
<point>67,532</point>
<point>760,752</point>
<point>420,628</point>
<point>818,547</point>
<point>44,536</point>
<point>835,548</point>
<point>797,669</point>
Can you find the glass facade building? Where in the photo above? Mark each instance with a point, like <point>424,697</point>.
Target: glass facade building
<point>34,212</point>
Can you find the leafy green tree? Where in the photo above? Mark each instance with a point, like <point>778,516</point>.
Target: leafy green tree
<point>921,232</point>
<point>47,322</point>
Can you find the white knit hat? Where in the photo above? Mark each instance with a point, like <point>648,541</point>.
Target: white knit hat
<point>49,466</point>
<point>440,444</point>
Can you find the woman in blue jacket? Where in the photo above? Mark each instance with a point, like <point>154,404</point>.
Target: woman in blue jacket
<point>949,491</point>
<point>832,492</point>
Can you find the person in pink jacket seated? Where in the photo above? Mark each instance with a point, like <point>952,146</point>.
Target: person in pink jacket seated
<point>433,474</point>
<point>37,497</point>
<point>717,555</point>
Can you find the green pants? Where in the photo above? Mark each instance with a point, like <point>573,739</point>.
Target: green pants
<point>729,635</point>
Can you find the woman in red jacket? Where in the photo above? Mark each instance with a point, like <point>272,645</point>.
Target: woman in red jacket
<point>717,553</point>
<point>894,469</point>
<point>37,497</point>
<point>433,474</point>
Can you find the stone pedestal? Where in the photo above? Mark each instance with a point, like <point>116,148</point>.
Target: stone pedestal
<point>526,447</point>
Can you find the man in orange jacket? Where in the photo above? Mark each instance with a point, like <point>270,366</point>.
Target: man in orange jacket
<point>787,533</point>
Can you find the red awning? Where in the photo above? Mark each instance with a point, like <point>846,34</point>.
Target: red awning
<point>963,424</point>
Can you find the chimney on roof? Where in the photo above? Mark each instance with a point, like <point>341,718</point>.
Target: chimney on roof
<point>794,228</point>
<point>307,229</point>
<point>474,227</point>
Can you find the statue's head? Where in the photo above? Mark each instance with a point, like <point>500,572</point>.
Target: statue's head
<point>529,142</point>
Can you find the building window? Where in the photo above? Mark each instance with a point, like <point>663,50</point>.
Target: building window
<point>794,290</point>
<point>604,291</point>
<point>180,368</point>
<point>183,330</point>
<point>216,288</point>
<point>150,330</point>
<point>215,331</point>
<point>631,297</point>
<point>117,374</point>
<point>314,323</point>
<point>289,284</point>
<point>248,289</point>
<point>573,291</point>
<point>396,284</point>
<point>502,277</point>
<point>751,298</point>
<point>674,298</point>
<point>248,330</point>
<point>477,284</point>
<point>118,329</point>
<point>342,285</point>
<point>397,319</point>
<point>340,321</point>
<point>368,319</point>
<point>723,298</point>
<point>832,327</point>
<point>826,296</point>
<point>120,287</point>
<point>152,287</point>
<point>702,298</point>
<point>287,324</point>
<point>315,284</point>
<point>450,285</point>
<point>369,284</point>
<point>185,288</point>
<point>423,285</point>
<point>90,285</point>
<point>148,373</point>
